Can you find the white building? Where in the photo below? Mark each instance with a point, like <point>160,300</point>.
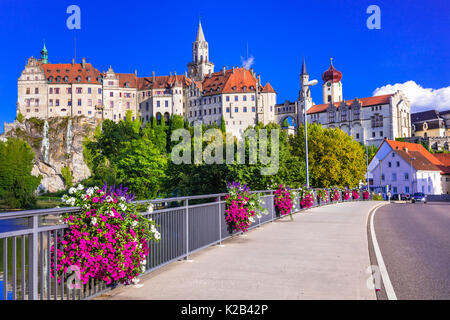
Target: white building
<point>406,168</point>
<point>369,120</point>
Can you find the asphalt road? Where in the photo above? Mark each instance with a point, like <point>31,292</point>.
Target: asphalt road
<point>414,240</point>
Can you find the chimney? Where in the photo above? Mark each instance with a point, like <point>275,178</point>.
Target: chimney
<point>135,72</point>
<point>153,76</point>
<point>253,73</point>
<point>73,61</point>
<point>83,62</point>
<point>233,70</point>
<point>259,80</point>
<point>224,70</point>
<point>406,149</point>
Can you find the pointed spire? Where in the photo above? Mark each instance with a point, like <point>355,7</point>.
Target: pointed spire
<point>304,72</point>
<point>44,54</point>
<point>200,35</point>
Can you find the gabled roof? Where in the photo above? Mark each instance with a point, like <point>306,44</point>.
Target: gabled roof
<point>268,88</point>
<point>72,71</point>
<point>423,159</point>
<point>365,102</point>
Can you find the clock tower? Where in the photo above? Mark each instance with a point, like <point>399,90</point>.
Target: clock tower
<point>332,85</point>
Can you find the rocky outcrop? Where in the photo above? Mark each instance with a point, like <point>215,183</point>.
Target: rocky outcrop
<point>57,143</point>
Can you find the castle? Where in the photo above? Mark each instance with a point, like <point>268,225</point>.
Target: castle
<point>237,95</point>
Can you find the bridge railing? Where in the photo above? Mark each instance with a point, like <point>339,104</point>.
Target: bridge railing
<point>186,225</point>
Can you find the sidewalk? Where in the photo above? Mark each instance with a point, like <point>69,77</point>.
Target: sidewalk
<point>322,254</point>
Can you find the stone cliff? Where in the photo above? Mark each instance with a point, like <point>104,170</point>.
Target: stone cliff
<point>57,143</point>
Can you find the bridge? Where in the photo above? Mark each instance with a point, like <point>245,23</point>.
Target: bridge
<point>321,254</point>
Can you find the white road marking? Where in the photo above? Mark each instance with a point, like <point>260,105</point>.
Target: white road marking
<point>384,274</point>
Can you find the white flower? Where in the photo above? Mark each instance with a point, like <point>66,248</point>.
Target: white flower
<point>72,190</point>
<point>153,229</point>
<point>150,208</point>
<point>90,191</point>
<point>123,199</point>
<point>134,223</point>
<point>109,199</point>
<point>251,219</point>
<point>157,235</point>
<point>135,280</point>
<point>95,188</point>
<point>123,207</point>
<point>80,187</point>
<point>94,220</point>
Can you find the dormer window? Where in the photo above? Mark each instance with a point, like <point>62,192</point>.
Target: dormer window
<point>252,88</point>
<point>79,79</point>
<point>88,79</point>
<point>58,79</point>
<point>50,79</point>
<point>127,84</point>
<point>244,88</point>
<point>234,88</point>
<point>66,79</point>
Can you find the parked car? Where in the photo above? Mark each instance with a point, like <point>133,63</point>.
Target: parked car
<point>395,196</point>
<point>405,196</point>
<point>419,197</point>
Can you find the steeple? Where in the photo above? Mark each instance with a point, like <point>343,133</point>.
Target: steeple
<point>200,65</point>
<point>44,55</point>
<point>304,72</point>
<point>200,35</point>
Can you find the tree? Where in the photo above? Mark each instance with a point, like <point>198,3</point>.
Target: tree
<point>334,157</point>
<point>141,167</point>
<point>17,184</point>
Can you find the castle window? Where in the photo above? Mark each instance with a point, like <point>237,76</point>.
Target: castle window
<point>79,79</point>
<point>244,97</point>
<point>36,90</point>
<point>245,109</point>
<point>329,98</point>
<point>331,116</point>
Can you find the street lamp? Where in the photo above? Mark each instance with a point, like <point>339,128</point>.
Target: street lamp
<point>412,178</point>
<point>304,92</point>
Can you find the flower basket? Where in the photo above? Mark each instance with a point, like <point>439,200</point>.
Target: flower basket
<point>346,195</point>
<point>365,195</point>
<point>322,196</point>
<point>355,194</point>
<point>242,207</point>
<point>282,201</point>
<point>107,241</point>
<point>307,198</point>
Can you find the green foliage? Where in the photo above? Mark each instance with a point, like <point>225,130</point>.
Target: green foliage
<point>20,117</point>
<point>335,158</point>
<point>17,185</point>
<point>67,176</point>
<point>400,139</point>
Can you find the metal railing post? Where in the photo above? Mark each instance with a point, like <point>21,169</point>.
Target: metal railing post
<point>33,259</point>
<point>186,204</point>
<point>273,204</point>
<point>220,220</point>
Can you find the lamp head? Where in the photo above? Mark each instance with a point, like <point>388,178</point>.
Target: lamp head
<point>311,83</point>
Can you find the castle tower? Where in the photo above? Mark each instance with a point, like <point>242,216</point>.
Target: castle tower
<point>332,85</point>
<point>200,65</point>
<point>44,55</point>
<point>304,78</point>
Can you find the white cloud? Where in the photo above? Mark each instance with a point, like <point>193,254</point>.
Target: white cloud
<point>247,63</point>
<point>421,98</point>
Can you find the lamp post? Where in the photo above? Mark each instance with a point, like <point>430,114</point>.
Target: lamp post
<point>304,91</point>
<point>412,178</point>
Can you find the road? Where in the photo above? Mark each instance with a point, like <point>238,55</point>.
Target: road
<point>414,240</point>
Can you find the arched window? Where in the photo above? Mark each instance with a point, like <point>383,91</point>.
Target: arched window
<point>158,117</point>
<point>166,117</point>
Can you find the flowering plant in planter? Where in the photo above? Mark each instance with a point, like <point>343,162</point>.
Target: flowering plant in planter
<point>346,195</point>
<point>365,194</point>
<point>322,195</point>
<point>242,207</point>
<point>307,198</point>
<point>282,201</point>
<point>355,194</point>
<point>108,240</point>
<point>335,194</point>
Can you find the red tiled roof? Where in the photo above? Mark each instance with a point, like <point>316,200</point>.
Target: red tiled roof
<point>163,82</point>
<point>268,88</point>
<point>444,159</point>
<point>72,71</point>
<point>424,160</point>
<point>127,77</point>
<point>236,80</point>
<point>365,102</point>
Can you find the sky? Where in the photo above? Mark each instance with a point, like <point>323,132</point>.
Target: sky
<point>410,51</point>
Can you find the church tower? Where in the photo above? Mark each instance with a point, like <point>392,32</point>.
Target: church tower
<point>332,85</point>
<point>302,97</point>
<point>200,65</point>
